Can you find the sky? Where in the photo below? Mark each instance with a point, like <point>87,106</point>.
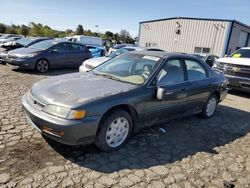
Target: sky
<point>114,15</point>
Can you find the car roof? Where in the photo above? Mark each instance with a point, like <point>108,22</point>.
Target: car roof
<point>246,48</point>
<point>56,41</point>
<point>163,54</point>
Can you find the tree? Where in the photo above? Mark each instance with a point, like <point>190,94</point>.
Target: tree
<point>24,30</point>
<point>11,30</point>
<point>2,28</point>
<point>79,30</point>
<point>124,33</point>
<point>69,32</point>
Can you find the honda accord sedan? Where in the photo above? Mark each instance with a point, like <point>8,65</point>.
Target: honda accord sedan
<point>127,93</point>
<point>49,54</point>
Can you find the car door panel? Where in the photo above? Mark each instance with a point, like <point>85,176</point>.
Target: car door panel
<point>171,79</point>
<point>59,55</point>
<point>199,83</point>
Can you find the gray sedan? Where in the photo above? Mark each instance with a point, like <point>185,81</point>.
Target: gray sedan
<point>124,94</point>
<point>49,54</point>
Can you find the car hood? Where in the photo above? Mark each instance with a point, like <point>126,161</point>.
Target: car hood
<point>96,61</point>
<point>237,61</point>
<point>23,51</point>
<point>72,90</point>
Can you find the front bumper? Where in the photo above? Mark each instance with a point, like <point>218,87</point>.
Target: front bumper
<point>238,83</point>
<point>3,57</point>
<point>75,132</point>
<point>27,63</point>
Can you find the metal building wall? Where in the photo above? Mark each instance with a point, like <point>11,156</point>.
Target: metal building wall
<point>194,33</point>
<point>233,44</point>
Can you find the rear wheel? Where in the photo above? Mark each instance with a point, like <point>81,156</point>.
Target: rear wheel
<point>210,107</point>
<point>42,66</point>
<point>115,131</point>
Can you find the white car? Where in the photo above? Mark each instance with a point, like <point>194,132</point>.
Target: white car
<point>236,68</point>
<point>94,62</point>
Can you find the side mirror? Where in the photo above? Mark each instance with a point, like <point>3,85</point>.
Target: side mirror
<point>160,93</point>
<point>209,62</point>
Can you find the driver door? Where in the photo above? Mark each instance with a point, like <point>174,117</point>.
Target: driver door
<point>172,80</point>
<point>59,56</point>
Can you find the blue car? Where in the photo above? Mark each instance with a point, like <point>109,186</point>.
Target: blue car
<point>49,54</point>
<point>96,51</point>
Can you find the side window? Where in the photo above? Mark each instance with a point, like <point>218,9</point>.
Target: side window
<point>76,47</point>
<point>171,73</point>
<point>62,47</point>
<point>195,71</point>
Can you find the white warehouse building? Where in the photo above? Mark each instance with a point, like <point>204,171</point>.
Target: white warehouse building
<point>194,35</point>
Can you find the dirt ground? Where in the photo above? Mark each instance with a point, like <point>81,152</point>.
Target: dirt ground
<point>193,152</point>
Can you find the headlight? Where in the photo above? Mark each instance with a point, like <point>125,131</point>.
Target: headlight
<point>65,112</point>
<point>25,55</point>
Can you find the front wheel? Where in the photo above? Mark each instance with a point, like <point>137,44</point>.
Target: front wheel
<point>42,66</point>
<point>115,131</point>
<point>210,107</point>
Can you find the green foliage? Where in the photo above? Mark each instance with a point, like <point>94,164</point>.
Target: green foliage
<point>24,30</point>
<point>39,30</point>
<point>79,30</point>
<point>3,28</point>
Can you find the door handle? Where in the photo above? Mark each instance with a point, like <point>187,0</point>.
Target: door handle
<point>184,89</point>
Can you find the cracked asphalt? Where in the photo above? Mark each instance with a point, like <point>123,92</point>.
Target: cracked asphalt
<point>193,152</point>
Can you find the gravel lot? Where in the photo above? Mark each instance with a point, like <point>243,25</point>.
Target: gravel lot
<point>192,153</point>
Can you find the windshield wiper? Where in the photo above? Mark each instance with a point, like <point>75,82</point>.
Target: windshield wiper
<point>111,77</point>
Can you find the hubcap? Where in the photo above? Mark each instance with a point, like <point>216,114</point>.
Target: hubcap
<point>117,132</point>
<point>211,106</point>
<point>42,66</point>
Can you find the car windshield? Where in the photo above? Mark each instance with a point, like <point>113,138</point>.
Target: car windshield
<point>241,53</point>
<point>43,45</point>
<point>120,51</point>
<point>130,68</point>
<point>25,41</point>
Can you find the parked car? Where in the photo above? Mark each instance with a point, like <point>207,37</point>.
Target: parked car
<point>124,94</point>
<point>8,38</point>
<point>86,40</point>
<point>94,44</point>
<point>118,46</point>
<point>236,67</point>
<point>207,58</point>
<point>23,42</point>
<point>96,51</point>
<point>49,54</point>
<point>94,62</point>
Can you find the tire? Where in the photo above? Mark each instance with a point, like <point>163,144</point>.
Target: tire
<point>42,66</point>
<point>210,107</point>
<point>114,131</point>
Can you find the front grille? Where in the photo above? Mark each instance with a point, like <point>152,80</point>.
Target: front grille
<point>89,66</point>
<point>234,70</point>
<point>34,102</point>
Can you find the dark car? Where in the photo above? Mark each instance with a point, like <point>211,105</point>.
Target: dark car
<point>49,54</point>
<point>207,58</point>
<point>124,94</point>
<point>23,42</point>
